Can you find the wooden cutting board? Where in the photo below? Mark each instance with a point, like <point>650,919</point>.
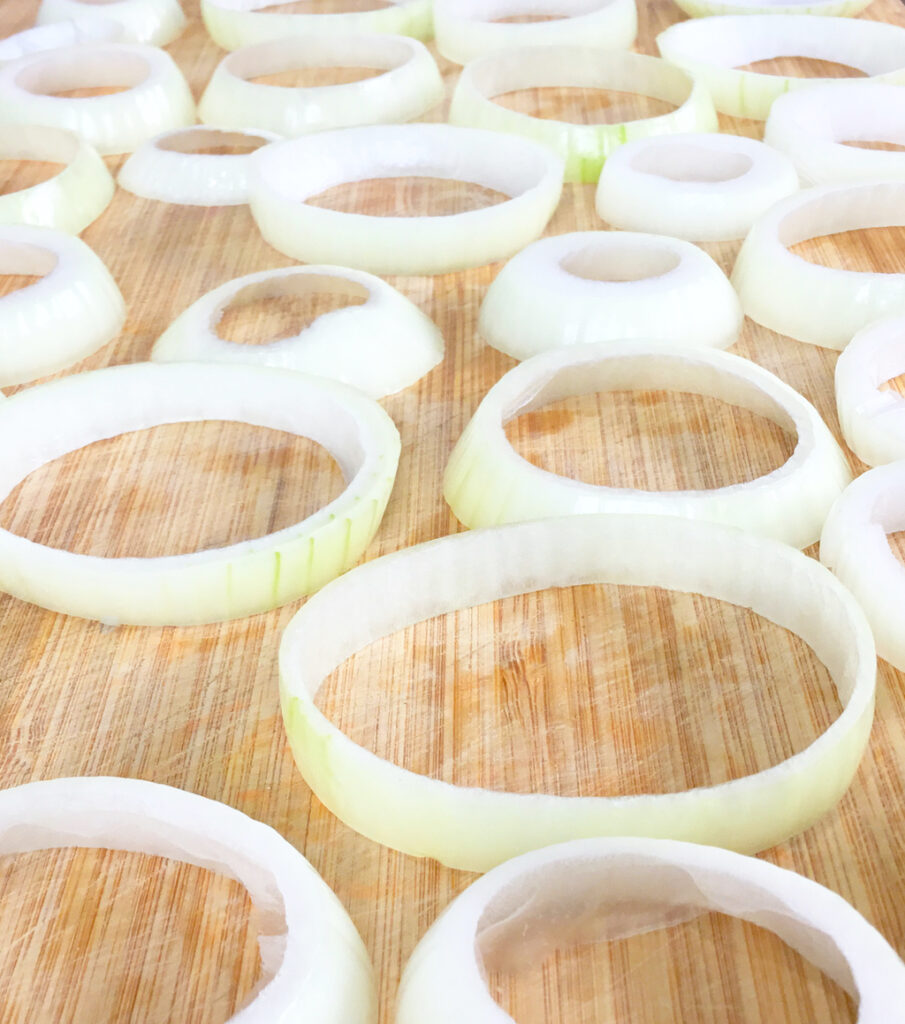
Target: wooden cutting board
<point>654,692</point>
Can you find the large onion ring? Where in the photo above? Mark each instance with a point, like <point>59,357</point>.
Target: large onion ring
<point>155,22</point>
<point>314,963</point>
<point>43,423</point>
<point>474,829</point>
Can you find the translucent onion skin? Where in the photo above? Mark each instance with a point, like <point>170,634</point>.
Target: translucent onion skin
<point>155,22</point>
<point>468,29</point>
<point>70,200</point>
<point>700,187</point>
<point>379,347</point>
<point>771,280</point>
<point>314,965</point>
<point>712,49</point>
<point>235,23</point>
<point>220,583</point>
<point>487,482</point>
<point>475,829</point>
<point>409,86</point>
<point>602,889</point>
<point>583,147</point>
<point>94,29</point>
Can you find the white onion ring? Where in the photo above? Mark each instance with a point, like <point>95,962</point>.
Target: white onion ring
<point>155,99</point>
<point>855,546</point>
<point>286,174</point>
<point>379,347</point>
<point>591,286</point>
<point>712,49</point>
<point>43,423</point>
<point>409,86</point>
<point>72,311</point>
<point>487,482</point>
<point>155,22</point>
<point>812,125</point>
<point>468,29</point>
<point>595,889</point>
<point>474,829</point>
<point>703,188</point>
<point>58,35</point>
<point>235,23</point>
<point>71,199</point>
<point>169,168</point>
<point>771,280</point>
<point>873,421</point>
<point>583,147</point>
<point>314,962</point>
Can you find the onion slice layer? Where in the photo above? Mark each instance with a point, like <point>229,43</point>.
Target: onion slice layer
<point>155,22</point>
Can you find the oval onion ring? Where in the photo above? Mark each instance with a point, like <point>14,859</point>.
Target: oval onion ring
<point>155,22</point>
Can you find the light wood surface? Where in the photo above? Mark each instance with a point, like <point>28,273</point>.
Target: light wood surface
<point>594,691</point>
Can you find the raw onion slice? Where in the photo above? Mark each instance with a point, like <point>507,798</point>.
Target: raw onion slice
<point>381,346</point>
<point>487,482</point>
<point>313,961</point>
<point>72,311</point>
<point>71,199</point>
<point>468,29</point>
<point>807,301</point>
<point>855,546</point>
<point>592,286</point>
<point>474,829</point>
<point>155,96</point>
<point>285,175</point>
<point>873,421</point>
<point>600,889</point>
<point>155,22</point>
<point>831,8</point>
<point>713,49</point>
<point>812,125</point>
<point>43,423</point>
<point>235,23</point>
<point>704,188</point>
<point>583,147</point>
<point>92,29</point>
<point>174,167</point>
<point>409,86</point>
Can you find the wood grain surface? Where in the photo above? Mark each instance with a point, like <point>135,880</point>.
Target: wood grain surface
<point>591,691</point>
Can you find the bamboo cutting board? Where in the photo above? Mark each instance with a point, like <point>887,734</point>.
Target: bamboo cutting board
<point>661,693</point>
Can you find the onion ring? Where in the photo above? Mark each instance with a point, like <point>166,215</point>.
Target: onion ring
<point>221,583</point>
<point>155,22</point>
<point>596,889</point>
<point>409,86</point>
<point>314,962</point>
<point>58,35</point>
<point>288,173</point>
<point>487,482</point>
<point>826,8</point>
<point>583,147</point>
<point>474,829</point>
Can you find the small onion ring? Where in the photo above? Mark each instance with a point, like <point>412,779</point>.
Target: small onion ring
<point>855,546</point>
<point>487,482</point>
<point>771,280</point>
<point>155,98</point>
<point>583,147</point>
<point>235,23</point>
<point>468,29</point>
<point>713,49</point>
<point>169,168</point>
<point>873,421</point>
<point>315,965</point>
<point>379,347</point>
<point>408,87</point>
<point>71,199</point>
<point>474,829</point>
<point>594,889</point>
<point>73,310</point>
<point>703,188</point>
<point>155,22</point>
<point>43,423</point>
<point>59,35</point>
<point>812,126</point>
<point>288,173</point>
<point>591,286</point>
